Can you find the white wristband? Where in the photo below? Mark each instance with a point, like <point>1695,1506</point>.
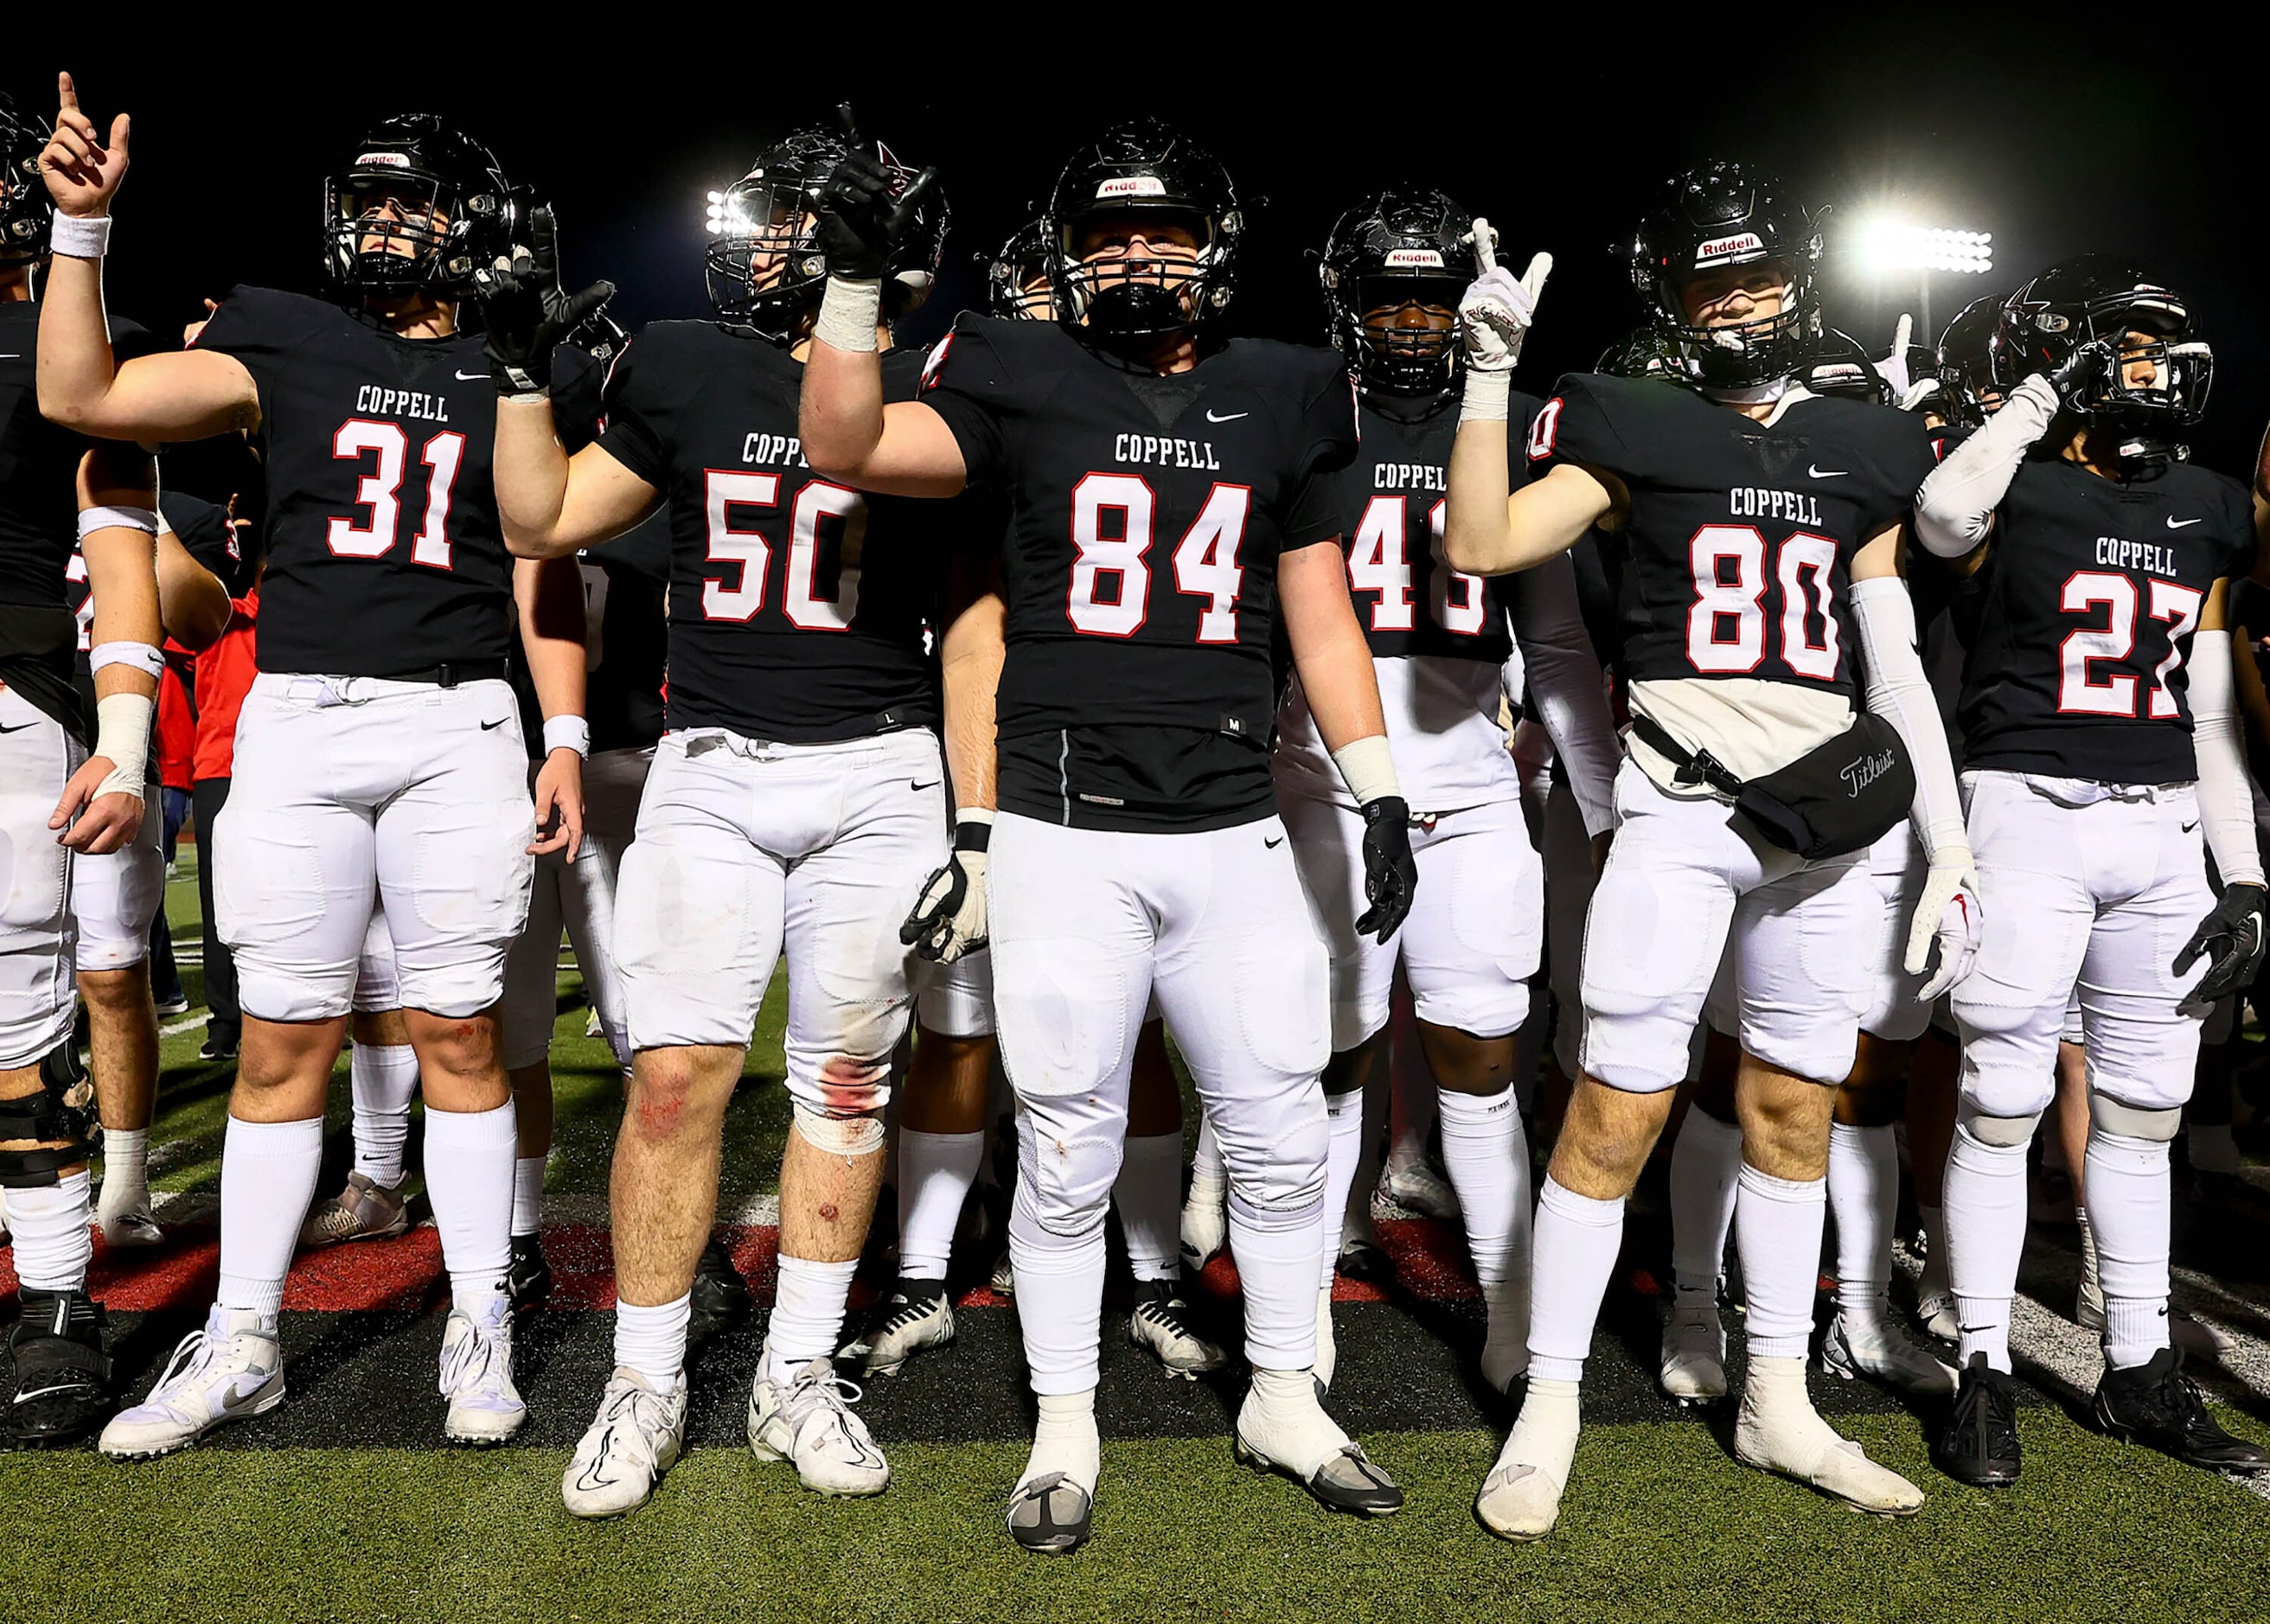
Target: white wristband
<point>94,519</point>
<point>78,237</point>
<point>849,311</point>
<point>141,657</point>
<point>122,735</point>
<point>1368,767</point>
<point>568,733</point>
<point>1486,397</point>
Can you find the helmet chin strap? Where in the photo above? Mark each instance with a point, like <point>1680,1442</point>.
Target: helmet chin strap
<point>1748,394</point>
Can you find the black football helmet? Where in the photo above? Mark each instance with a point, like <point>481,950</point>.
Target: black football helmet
<point>1965,362</point>
<point>1640,353</point>
<point>771,214</point>
<point>1728,214</point>
<point>1836,364</point>
<point>454,211</point>
<point>1144,168</point>
<point>1022,261</point>
<point>2092,299</point>
<point>24,212</point>
<point>1402,246</point>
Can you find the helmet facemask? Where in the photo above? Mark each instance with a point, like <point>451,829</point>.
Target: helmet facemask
<point>764,265</point>
<point>392,225</point>
<point>1737,355</point>
<point>1138,296</point>
<point>1400,332</point>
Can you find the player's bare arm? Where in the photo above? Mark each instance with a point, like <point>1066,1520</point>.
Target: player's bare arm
<point>548,598</point>
<point>192,602</point>
<point>117,498</point>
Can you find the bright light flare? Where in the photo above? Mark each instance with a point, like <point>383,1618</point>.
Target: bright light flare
<point>1888,245</point>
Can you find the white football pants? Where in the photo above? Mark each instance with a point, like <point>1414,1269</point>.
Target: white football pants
<point>38,995</point>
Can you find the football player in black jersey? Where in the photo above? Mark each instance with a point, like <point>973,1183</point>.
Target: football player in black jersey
<point>1172,495</point>
<point>797,797</point>
<point>71,788</point>
<point>378,754</point>
<point>2100,742</point>
<point>1761,525</point>
<point>1393,269</point>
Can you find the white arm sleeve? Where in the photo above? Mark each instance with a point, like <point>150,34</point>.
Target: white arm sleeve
<point>2226,801</point>
<point>1565,689</point>
<point>1898,692</point>
<point>1956,505</point>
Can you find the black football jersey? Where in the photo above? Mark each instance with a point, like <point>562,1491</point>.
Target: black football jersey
<point>1736,550</point>
<point>1146,516</point>
<point>385,558</point>
<point>1393,493</point>
<point>800,610</point>
<point>626,642</point>
<point>2087,601</point>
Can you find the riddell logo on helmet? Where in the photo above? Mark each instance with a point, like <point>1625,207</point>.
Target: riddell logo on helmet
<point>1131,186</point>
<point>1729,247</point>
<point>383,160</point>
<point>1415,256</point>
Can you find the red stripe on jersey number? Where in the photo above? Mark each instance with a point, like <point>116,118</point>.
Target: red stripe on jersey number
<point>2080,693</point>
<point>1727,624</point>
<point>1206,558</point>
<point>379,491</point>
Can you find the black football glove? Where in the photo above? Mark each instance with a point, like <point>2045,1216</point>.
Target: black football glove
<point>1390,874</point>
<point>2081,372</point>
<point>861,219</point>
<point>528,313</point>
<point>2231,938</point>
<point>949,917</point>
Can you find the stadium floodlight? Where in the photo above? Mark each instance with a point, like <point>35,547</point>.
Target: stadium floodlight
<point>1889,245</point>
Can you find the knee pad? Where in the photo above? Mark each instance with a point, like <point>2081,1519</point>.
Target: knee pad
<point>2002,1132</point>
<point>1281,1188</point>
<point>1065,1169</point>
<point>860,1135</point>
<point>2111,1117</point>
<point>63,1110</point>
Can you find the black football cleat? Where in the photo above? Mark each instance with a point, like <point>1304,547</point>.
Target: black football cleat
<point>63,1391</point>
<point>528,1280</point>
<point>2157,1406</point>
<point>1979,1445</point>
<point>721,1296</point>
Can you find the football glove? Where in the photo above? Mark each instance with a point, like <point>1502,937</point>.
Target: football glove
<point>527,312</point>
<point>2081,372</point>
<point>1946,913</point>
<point>1893,370</point>
<point>861,218</point>
<point>1391,873</point>
<point>1494,316</point>
<point>2231,938</point>
<point>949,917</point>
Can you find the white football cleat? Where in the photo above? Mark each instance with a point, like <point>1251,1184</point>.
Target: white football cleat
<point>223,1373</point>
<point>1694,1368</point>
<point>807,1421</point>
<point>1420,1189</point>
<point>1882,1353</point>
<point>1205,1221</point>
<point>476,1377</point>
<point>1780,1431</point>
<point>1520,1499</point>
<point>1281,1428</point>
<point>1160,1326</point>
<point>636,1438</point>
<point>125,1219</point>
<point>903,1325</point>
<point>1936,1310</point>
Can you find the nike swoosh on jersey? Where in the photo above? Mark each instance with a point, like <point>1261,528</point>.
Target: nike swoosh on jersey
<point>2175,523</point>
<point>1818,472</point>
<point>1227,417</point>
<point>467,377</point>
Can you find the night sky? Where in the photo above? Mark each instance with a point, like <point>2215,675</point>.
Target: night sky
<point>2048,132</point>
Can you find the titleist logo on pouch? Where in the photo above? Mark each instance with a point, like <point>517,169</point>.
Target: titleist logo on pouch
<point>1860,775</point>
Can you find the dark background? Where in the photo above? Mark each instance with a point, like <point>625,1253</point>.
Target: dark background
<point>2058,132</point>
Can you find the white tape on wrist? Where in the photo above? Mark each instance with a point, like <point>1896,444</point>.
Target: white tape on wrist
<point>568,733</point>
<point>849,311</point>
<point>1486,398</point>
<point>94,519</point>
<point>122,735</point>
<point>1368,767</point>
<point>76,237</point>
<point>141,657</point>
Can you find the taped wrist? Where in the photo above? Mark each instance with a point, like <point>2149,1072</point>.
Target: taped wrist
<point>122,736</point>
<point>568,733</point>
<point>841,1135</point>
<point>80,237</point>
<point>849,311</point>
<point>1487,396</point>
<point>1368,767</point>
<point>62,1116</point>
<point>143,657</point>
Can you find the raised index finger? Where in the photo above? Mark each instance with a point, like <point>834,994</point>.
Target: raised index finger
<point>847,122</point>
<point>1485,245</point>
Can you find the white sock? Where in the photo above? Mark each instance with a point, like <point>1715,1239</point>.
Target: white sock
<point>808,1313</point>
<point>1059,1286</point>
<point>125,1171</point>
<point>1487,1158</point>
<point>1206,1165</point>
<point>1279,1253</point>
<point>469,1179</point>
<point>1355,1222</point>
<point>1777,1224</point>
<point>1704,1164</point>
<point>1934,1280</point>
<point>1985,1202</point>
<point>1571,1262</point>
<point>1149,1195</point>
<point>384,1077</point>
<point>268,1172</point>
<point>54,1244</point>
<point>935,1172</point>
<point>528,1194</point>
<point>1065,1440</point>
<point>1344,1120</point>
<point>2213,1149</point>
<point>652,1340</point>
<point>1863,1190</point>
<point>2130,1209</point>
